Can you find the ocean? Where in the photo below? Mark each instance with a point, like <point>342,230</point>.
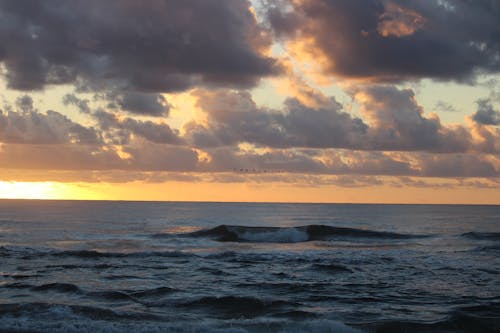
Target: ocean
<point>102,266</point>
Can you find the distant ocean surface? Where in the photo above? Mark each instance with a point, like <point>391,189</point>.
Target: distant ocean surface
<point>74,266</point>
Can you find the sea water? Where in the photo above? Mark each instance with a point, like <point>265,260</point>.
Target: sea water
<point>97,266</point>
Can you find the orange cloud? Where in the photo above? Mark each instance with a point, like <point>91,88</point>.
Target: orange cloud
<point>399,21</point>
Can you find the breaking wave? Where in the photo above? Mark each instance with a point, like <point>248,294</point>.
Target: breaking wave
<point>230,233</point>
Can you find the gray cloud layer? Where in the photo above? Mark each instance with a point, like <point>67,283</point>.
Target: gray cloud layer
<point>151,45</point>
<point>119,130</point>
<point>393,139</point>
<point>235,118</point>
<point>127,53</point>
<point>28,126</point>
<point>393,122</point>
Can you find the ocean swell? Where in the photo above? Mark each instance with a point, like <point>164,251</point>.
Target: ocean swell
<point>232,233</point>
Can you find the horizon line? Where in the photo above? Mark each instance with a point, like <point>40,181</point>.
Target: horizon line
<point>256,202</point>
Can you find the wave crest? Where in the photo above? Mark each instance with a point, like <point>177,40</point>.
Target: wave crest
<point>231,233</point>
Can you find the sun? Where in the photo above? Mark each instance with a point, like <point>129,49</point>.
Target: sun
<point>52,191</point>
<point>29,190</point>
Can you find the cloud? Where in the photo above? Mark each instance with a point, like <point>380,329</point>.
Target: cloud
<point>59,157</point>
<point>144,104</point>
<point>397,122</point>
<point>392,121</point>
<point>234,117</point>
<point>81,104</point>
<point>245,163</point>
<point>119,129</point>
<point>25,103</point>
<point>283,179</point>
<point>28,126</point>
<point>135,103</point>
<point>457,165</point>
<point>300,180</point>
<point>399,21</point>
<point>253,161</point>
<point>486,115</point>
<point>367,163</point>
<point>138,155</point>
<point>444,106</point>
<point>393,40</point>
<point>237,160</point>
<point>29,138</point>
<point>147,46</point>
<point>129,54</point>
<point>239,137</point>
<point>158,157</point>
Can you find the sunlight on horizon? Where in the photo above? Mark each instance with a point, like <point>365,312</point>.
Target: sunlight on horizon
<point>239,192</point>
<point>44,190</point>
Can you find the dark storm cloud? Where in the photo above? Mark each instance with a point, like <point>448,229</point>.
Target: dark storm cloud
<point>152,45</point>
<point>485,113</point>
<point>395,39</point>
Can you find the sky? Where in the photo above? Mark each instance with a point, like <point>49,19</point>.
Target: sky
<point>373,101</point>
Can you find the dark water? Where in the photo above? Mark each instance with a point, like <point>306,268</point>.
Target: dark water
<point>218,267</point>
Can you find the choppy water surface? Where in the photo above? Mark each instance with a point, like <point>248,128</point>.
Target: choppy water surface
<point>217,267</point>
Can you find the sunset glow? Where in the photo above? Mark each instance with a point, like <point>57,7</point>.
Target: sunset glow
<point>331,100</point>
<point>47,191</point>
<point>30,190</point>
<point>249,166</point>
